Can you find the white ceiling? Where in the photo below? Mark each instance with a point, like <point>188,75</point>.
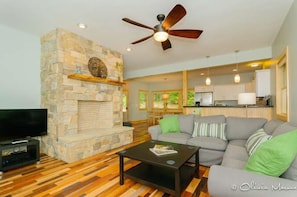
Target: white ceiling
<point>228,25</point>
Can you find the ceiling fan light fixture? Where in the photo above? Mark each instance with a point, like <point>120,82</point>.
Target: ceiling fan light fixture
<point>161,36</point>
<point>162,30</point>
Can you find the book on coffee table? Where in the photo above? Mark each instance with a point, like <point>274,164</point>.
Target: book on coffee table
<point>160,150</point>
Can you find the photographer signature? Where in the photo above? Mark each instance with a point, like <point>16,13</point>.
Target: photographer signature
<point>254,186</point>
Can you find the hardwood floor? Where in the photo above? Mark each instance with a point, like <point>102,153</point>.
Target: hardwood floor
<point>94,176</point>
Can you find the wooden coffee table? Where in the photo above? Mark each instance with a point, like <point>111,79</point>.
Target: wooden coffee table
<point>169,173</point>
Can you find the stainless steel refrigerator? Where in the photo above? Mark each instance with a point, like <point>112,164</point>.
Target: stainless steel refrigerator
<point>205,98</point>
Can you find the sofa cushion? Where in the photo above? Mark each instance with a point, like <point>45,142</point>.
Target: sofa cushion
<point>237,143</point>
<point>233,163</point>
<point>235,155</point>
<point>186,123</point>
<point>274,156</point>
<point>210,119</point>
<point>169,124</point>
<point>208,143</point>
<point>255,140</point>
<point>283,128</point>
<point>180,138</point>
<point>202,129</point>
<point>210,157</point>
<point>242,128</point>
<point>291,172</point>
<point>236,152</point>
<point>271,125</point>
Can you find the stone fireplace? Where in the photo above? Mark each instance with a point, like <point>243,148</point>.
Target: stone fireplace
<point>84,112</point>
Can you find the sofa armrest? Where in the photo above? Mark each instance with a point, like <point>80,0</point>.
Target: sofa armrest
<point>155,131</point>
<point>225,181</point>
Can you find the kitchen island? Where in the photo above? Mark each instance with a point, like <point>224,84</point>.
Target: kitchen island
<point>254,111</point>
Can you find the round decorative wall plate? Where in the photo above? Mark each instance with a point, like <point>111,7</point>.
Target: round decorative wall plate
<point>97,67</point>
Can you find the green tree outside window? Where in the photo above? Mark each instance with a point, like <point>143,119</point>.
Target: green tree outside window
<point>142,99</point>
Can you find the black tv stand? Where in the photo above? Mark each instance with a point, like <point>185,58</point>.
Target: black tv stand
<point>18,153</point>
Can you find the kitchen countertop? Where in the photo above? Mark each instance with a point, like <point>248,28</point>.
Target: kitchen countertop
<point>237,106</point>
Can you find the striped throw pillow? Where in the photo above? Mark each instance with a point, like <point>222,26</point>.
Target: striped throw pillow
<point>255,140</point>
<point>202,129</point>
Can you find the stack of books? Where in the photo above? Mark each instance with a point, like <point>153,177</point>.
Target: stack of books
<point>160,150</point>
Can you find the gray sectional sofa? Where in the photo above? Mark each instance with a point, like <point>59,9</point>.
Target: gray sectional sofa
<point>228,157</point>
<point>212,149</point>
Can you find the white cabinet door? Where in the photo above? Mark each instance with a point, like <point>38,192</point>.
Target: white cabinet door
<point>228,92</point>
<point>250,86</point>
<point>236,89</point>
<point>219,92</point>
<point>204,88</point>
<point>263,82</point>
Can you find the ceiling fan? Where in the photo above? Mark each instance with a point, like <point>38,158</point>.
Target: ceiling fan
<point>162,30</point>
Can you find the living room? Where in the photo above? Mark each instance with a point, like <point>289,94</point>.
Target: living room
<point>20,63</point>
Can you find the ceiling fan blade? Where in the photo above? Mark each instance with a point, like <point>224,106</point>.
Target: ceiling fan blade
<point>186,33</point>
<point>142,39</point>
<point>177,13</point>
<point>166,44</point>
<point>137,24</point>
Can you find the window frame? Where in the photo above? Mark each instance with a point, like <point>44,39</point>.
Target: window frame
<point>282,87</point>
<point>145,101</point>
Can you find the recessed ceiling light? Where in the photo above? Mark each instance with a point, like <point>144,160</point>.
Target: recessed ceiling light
<point>128,49</point>
<point>82,25</point>
<point>254,65</point>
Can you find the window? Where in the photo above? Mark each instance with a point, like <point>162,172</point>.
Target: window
<point>125,105</point>
<point>157,100</point>
<point>174,100</point>
<point>167,99</point>
<point>142,99</point>
<point>124,100</point>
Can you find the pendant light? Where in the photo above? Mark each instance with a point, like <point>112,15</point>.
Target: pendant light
<point>237,76</point>
<point>208,80</point>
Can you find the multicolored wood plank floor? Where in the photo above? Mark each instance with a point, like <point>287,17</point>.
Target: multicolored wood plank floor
<point>94,176</point>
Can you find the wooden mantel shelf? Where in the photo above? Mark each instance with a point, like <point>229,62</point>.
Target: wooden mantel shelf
<point>95,79</point>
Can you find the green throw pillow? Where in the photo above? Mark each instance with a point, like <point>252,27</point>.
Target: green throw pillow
<point>274,156</point>
<point>169,124</point>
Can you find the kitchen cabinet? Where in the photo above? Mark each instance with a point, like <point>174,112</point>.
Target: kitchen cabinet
<point>262,82</point>
<point>228,92</point>
<point>250,86</point>
<point>204,88</point>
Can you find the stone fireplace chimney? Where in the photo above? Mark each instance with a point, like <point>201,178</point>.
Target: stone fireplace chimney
<point>84,112</point>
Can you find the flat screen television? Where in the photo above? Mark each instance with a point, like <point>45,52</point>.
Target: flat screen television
<point>18,124</point>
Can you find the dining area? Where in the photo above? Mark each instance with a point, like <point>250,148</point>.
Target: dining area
<point>154,115</point>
